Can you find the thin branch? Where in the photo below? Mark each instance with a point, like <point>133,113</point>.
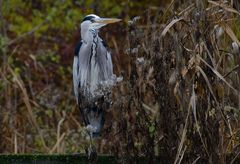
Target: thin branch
<point>235,68</point>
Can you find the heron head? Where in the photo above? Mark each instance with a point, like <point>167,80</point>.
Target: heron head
<point>94,22</point>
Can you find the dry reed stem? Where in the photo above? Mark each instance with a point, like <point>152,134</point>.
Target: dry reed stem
<point>28,105</point>
<point>58,133</point>
<point>183,138</point>
<point>57,143</point>
<point>225,7</point>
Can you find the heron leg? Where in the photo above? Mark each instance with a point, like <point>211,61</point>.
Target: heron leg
<point>91,151</point>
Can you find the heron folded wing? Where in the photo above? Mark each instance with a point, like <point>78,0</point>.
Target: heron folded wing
<point>76,70</point>
<point>84,62</point>
<point>76,77</point>
<point>105,62</point>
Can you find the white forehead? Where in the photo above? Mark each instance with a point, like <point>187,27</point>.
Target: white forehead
<point>93,15</point>
<point>87,21</point>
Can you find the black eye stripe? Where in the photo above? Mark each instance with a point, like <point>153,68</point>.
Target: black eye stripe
<point>88,18</point>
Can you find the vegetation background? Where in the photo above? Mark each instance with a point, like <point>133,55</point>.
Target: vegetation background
<point>180,94</point>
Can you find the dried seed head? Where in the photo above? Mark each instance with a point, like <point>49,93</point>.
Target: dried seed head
<point>235,48</point>
<point>134,20</point>
<point>140,61</point>
<point>218,30</point>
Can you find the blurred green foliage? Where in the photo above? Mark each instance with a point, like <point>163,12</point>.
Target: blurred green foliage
<point>60,16</point>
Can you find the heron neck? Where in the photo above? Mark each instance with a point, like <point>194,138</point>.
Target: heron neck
<point>89,36</point>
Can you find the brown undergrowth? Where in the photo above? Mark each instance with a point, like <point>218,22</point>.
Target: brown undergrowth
<point>179,98</point>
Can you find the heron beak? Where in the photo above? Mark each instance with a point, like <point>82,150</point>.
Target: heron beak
<point>106,21</point>
<point>100,22</point>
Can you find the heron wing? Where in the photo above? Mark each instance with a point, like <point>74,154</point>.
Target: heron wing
<point>85,70</point>
<point>104,61</point>
<point>76,79</point>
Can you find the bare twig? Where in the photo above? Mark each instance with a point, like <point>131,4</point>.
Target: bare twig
<point>235,68</point>
<point>234,159</point>
<point>218,74</point>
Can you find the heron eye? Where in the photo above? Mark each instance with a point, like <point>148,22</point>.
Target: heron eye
<point>92,20</point>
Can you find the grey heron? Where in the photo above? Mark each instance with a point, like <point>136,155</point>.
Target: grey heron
<point>92,73</point>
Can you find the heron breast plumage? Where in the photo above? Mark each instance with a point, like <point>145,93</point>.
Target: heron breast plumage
<point>94,68</point>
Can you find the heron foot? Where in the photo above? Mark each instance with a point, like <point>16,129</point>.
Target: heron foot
<point>91,154</point>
